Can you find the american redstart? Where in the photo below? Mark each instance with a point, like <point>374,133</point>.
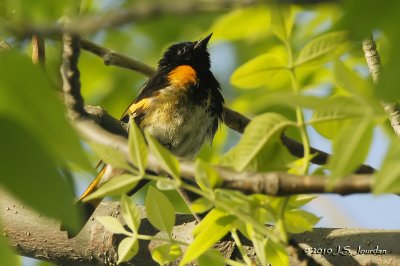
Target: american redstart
<point>181,105</point>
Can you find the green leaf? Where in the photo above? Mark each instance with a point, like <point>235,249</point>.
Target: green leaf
<point>321,46</point>
<point>256,72</point>
<point>201,205</point>
<point>298,201</point>
<point>7,255</point>
<point>112,225</point>
<point>351,82</point>
<point>112,156</point>
<point>31,101</point>
<point>282,21</point>
<point>127,249</point>
<point>211,257</point>
<point>130,213</point>
<point>387,179</point>
<point>166,253</point>
<point>211,229</point>
<point>137,147</point>
<point>259,242</point>
<point>168,162</point>
<point>28,171</point>
<point>257,135</point>
<point>276,253</point>
<point>115,186</point>
<point>206,176</point>
<point>335,121</point>
<point>298,221</point>
<point>350,148</point>
<point>167,184</point>
<point>40,12</point>
<point>160,211</point>
<point>243,23</point>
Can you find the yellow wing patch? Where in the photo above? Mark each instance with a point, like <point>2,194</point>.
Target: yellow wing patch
<point>143,104</point>
<point>182,76</point>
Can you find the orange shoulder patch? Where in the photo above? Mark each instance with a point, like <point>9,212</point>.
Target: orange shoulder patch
<point>182,76</point>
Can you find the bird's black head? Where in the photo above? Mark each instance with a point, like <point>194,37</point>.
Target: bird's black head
<point>194,54</point>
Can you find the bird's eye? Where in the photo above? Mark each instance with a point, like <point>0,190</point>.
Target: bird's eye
<point>181,51</point>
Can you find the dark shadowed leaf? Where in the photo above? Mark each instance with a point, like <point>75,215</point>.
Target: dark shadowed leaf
<point>32,101</point>
<point>29,172</point>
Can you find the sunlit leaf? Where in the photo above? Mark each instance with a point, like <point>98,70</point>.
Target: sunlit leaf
<point>298,221</point>
<point>276,253</point>
<point>130,213</point>
<point>167,161</point>
<point>211,229</point>
<point>112,156</point>
<point>206,176</point>
<point>112,225</point>
<point>160,211</point>
<point>323,45</point>
<point>167,184</point>
<point>282,21</point>
<point>350,148</point>
<point>166,253</point>
<point>298,201</point>
<point>211,257</point>
<point>201,205</point>
<point>257,71</point>
<point>259,242</point>
<point>137,147</point>
<point>387,178</point>
<point>115,186</point>
<point>352,82</point>
<point>261,130</point>
<point>127,249</point>
<point>243,23</point>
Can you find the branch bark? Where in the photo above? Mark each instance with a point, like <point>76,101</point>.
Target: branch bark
<point>272,183</point>
<point>36,236</point>
<point>373,59</point>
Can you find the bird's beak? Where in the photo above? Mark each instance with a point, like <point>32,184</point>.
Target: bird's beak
<point>203,43</point>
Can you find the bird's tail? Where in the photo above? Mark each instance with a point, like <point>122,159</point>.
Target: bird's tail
<point>87,208</point>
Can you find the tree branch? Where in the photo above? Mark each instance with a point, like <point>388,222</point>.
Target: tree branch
<point>36,236</point>
<point>71,76</point>
<point>138,12</point>
<point>374,64</point>
<point>273,183</point>
<point>232,119</point>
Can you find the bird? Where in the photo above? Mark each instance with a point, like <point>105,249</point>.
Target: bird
<point>181,106</point>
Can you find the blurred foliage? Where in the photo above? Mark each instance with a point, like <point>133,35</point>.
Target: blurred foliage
<point>274,63</point>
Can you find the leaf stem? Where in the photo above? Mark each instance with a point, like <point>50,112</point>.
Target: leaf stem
<point>239,245</point>
<point>299,112</point>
